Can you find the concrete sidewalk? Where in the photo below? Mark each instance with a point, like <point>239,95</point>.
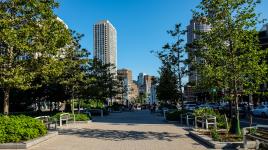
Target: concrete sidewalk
<point>122,131</point>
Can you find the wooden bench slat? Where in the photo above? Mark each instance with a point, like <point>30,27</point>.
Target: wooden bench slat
<point>257,137</point>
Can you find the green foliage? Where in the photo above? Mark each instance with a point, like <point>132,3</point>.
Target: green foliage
<point>221,122</point>
<point>96,104</point>
<point>230,55</point>
<point>105,84</point>
<point>173,115</point>
<point>173,68</point>
<point>141,99</point>
<point>57,116</point>
<point>204,112</point>
<point>82,117</point>
<point>167,89</point>
<point>30,35</point>
<point>252,130</point>
<point>20,128</point>
<point>215,135</point>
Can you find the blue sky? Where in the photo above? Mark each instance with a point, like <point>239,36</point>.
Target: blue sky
<point>141,26</point>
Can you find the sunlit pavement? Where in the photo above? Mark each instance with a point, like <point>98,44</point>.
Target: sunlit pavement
<point>138,130</point>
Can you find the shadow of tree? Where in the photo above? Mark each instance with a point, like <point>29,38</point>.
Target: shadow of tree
<point>119,135</point>
<point>131,118</point>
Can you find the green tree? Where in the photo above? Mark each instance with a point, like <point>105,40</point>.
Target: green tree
<point>30,33</point>
<point>105,84</point>
<point>141,99</point>
<point>75,76</point>
<point>230,52</point>
<point>167,89</point>
<point>173,54</point>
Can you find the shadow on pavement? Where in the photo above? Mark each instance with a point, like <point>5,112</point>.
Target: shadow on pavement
<point>131,118</point>
<point>119,135</point>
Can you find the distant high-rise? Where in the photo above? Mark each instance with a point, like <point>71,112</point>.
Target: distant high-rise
<point>263,36</point>
<point>195,25</point>
<point>141,79</point>
<point>105,43</point>
<point>130,87</point>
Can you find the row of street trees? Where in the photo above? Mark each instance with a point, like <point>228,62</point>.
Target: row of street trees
<point>42,60</point>
<point>230,53</point>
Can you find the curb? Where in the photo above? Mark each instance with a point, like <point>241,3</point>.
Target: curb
<point>27,144</point>
<point>219,145</point>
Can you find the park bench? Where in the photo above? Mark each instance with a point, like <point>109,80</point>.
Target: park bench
<point>206,120</point>
<point>257,133</point>
<point>66,117</point>
<point>187,117</point>
<point>47,121</point>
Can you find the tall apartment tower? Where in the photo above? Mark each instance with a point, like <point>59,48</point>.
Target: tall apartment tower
<point>105,43</point>
<point>195,25</point>
<point>263,36</point>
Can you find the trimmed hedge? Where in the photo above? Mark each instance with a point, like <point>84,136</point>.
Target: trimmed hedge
<point>20,128</point>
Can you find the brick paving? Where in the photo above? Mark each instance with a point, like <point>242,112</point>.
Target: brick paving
<point>138,130</point>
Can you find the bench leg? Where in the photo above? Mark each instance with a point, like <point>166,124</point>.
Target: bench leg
<point>257,144</point>
<point>245,143</point>
<point>187,121</point>
<point>195,122</point>
<point>181,119</point>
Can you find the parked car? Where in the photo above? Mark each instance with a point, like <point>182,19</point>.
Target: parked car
<point>190,107</point>
<point>261,110</point>
<point>209,105</point>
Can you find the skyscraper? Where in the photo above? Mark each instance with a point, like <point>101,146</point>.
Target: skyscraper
<point>195,25</point>
<point>263,36</point>
<point>105,43</point>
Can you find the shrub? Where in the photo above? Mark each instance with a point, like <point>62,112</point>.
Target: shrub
<point>204,111</point>
<point>221,122</point>
<point>81,117</point>
<point>20,128</point>
<point>173,115</point>
<point>215,135</point>
<point>57,116</point>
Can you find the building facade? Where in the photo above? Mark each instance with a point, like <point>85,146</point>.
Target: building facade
<point>147,84</point>
<point>131,88</point>
<point>194,26</point>
<point>141,79</point>
<point>134,91</point>
<point>105,43</point>
<point>263,36</point>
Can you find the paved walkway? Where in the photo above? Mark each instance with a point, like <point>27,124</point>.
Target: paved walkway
<point>138,130</point>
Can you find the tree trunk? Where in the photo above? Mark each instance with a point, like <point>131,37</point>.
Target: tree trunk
<point>79,105</point>
<point>6,101</point>
<point>237,129</point>
<point>230,109</point>
<point>235,126</point>
<point>73,100</point>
